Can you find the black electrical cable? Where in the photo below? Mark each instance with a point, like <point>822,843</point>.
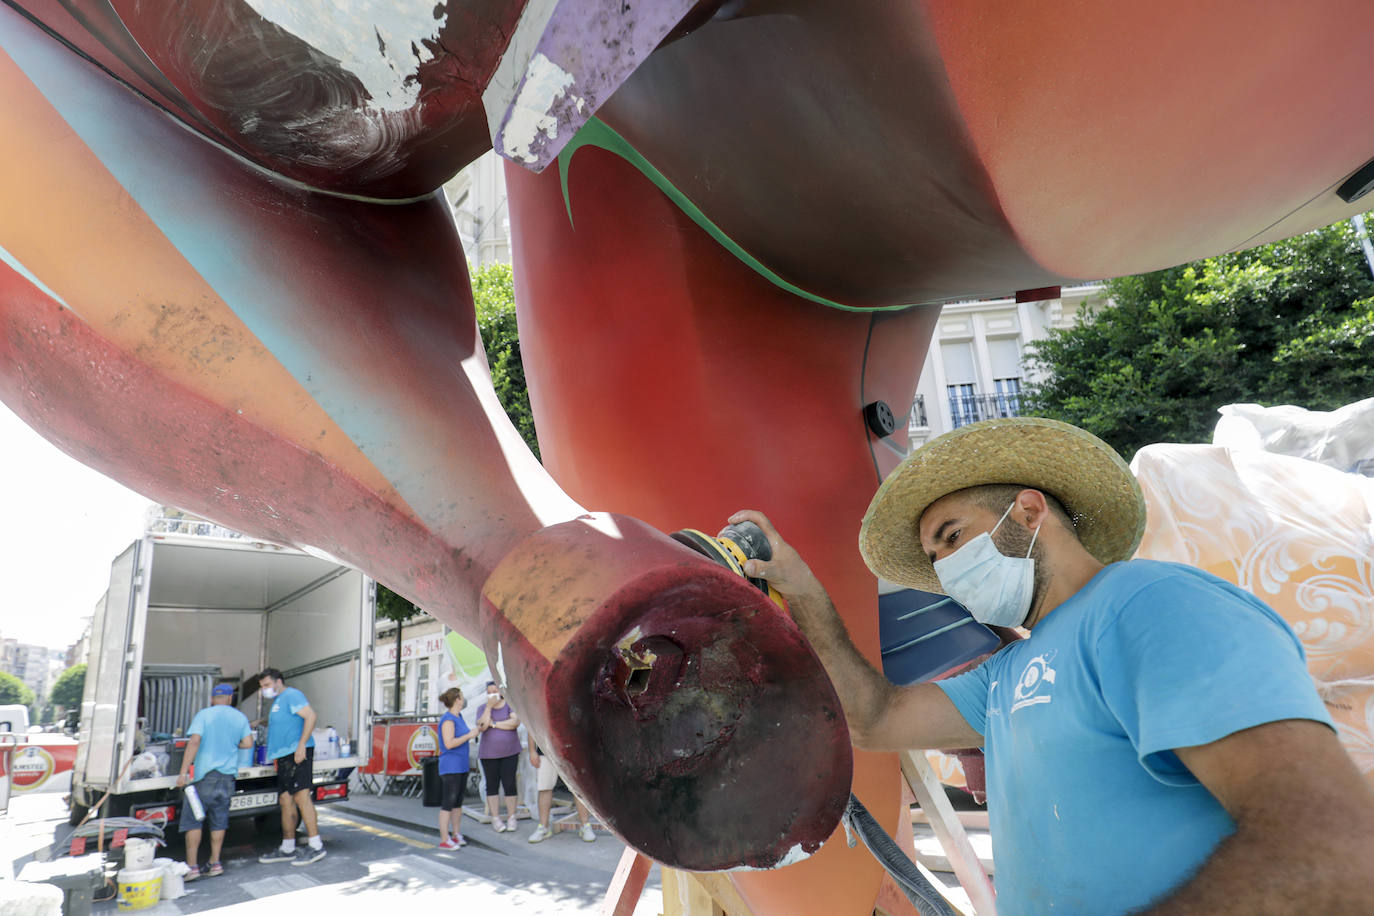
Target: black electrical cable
<point>923,895</point>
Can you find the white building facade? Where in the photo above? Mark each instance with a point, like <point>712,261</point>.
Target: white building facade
<point>477,197</point>
<point>976,367</point>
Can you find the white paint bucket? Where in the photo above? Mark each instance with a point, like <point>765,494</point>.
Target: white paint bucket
<point>138,854</point>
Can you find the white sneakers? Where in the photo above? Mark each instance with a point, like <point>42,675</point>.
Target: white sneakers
<point>587,833</point>
<point>541,833</point>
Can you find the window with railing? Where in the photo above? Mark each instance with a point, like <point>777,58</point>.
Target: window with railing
<point>967,406</point>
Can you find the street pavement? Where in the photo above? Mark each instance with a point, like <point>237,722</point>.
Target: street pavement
<point>382,852</point>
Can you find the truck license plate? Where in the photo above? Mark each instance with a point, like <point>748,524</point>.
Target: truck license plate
<point>252,800</point>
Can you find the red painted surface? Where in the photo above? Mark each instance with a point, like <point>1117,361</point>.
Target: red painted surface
<point>695,389</point>
<point>671,690</point>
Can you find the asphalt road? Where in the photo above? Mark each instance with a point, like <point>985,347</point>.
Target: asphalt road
<point>372,866</point>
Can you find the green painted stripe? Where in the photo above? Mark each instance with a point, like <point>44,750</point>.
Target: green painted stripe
<point>599,134</point>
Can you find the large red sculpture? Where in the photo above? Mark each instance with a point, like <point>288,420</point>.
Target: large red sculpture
<point>227,283</point>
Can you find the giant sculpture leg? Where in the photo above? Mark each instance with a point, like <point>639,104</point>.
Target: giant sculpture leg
<point>670,380</point>
<point>307,368</point>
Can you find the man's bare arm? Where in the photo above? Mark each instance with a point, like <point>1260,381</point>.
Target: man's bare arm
<point>881,715</point>
<point>1304,826</point>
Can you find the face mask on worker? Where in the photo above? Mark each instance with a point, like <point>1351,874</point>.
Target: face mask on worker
<point>995,588</point>
<point>269,692</point>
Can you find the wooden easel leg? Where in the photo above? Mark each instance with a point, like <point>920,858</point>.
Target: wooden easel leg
<point>701,894</point>
<point>627,885</point>
<point>930,794</point>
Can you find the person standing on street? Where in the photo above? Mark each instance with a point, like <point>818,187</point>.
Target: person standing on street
<point>499,751</point>
<point>216,734</point>
<point>454,743</point>
<point>291,746</point>
<point>548,778</point>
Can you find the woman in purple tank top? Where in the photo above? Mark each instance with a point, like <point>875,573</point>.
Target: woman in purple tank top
<point>499,751</point>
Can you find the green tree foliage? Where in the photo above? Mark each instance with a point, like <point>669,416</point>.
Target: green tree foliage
<point>1287,323</point>
<point>67,689</point>
<point>493,292</point>
<point>391,606</point>
<point>13,692</point>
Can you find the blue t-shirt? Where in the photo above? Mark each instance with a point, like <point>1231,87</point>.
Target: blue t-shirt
<point>284,724</point>
<point>1090,809</point>
<point>221,728</point>
<point>454,759</point>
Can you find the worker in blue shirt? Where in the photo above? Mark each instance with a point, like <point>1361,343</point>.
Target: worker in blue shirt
<point>216,734</point>
<point>1155,746</point>
<point>291,746</point>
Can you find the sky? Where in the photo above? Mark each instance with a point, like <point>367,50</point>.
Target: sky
<point>61,524</point>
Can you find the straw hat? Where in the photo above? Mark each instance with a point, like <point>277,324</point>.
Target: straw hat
<point>1084,473</point>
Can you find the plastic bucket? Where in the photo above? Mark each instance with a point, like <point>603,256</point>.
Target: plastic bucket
<point>173,886</point>
<point>139,888</point>
<point>138,854</point>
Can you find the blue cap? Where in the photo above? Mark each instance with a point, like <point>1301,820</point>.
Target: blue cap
<point>223,690</point>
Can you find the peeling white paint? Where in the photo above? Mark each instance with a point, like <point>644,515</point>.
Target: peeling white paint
<point>791,857</point>
<point>500,665</point>
<point>381,42</point>
<point>530,114</point>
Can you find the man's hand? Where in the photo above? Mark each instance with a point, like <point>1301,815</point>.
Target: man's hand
<point>787,571</point>
<point>300,755</point>
<point>881,716</point>
<point>181,780</point>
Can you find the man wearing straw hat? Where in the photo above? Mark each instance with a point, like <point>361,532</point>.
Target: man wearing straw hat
<point>1155,746</point>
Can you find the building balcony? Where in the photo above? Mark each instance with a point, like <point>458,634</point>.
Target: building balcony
<point>917,418</point>
<point>966,409</point>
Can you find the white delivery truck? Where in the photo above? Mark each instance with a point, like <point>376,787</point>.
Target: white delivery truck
<point>186,610</point>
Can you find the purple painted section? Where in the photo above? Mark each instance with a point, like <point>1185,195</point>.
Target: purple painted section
<point>584,51</point>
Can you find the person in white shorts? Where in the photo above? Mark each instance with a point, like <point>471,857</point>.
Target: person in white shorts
<point>548,778</point>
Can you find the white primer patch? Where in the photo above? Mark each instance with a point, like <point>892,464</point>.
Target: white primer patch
<point>500,665</point>
<point>545,83</point>
<point>791,857</point>
<point>381,42</point>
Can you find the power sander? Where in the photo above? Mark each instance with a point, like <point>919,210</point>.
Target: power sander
<point>730,548</point>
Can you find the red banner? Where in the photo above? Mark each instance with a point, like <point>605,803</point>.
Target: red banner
<point>398,745</point>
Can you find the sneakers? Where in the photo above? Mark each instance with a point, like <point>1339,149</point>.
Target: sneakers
<point>587,833</point>
<point>460,839</point>
<point>498,825</point>
<point>277,855</point>
<point>306,855</point>
<point>449,844</point>
<point>511,825</point>
<point>541,833</point>
<point>213,869</point>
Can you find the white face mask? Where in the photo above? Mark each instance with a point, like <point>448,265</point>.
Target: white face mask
<point>996,588</point>
<point>270,692</point>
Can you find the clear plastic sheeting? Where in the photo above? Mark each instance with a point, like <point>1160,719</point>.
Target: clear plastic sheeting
<point>1342,439</point>
<point>1296,533</point>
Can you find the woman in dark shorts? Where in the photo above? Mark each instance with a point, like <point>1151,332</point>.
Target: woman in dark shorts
<point>499,751</point>
<point>454,738</point>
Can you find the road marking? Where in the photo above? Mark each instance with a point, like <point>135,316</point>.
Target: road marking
<point>375,831</point>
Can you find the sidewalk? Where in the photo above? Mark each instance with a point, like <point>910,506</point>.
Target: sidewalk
<point>562,853</point>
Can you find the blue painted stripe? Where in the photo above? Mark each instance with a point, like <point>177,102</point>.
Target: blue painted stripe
<point>27,274</point>
<point>138,144</point>
<point>893,650</point>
